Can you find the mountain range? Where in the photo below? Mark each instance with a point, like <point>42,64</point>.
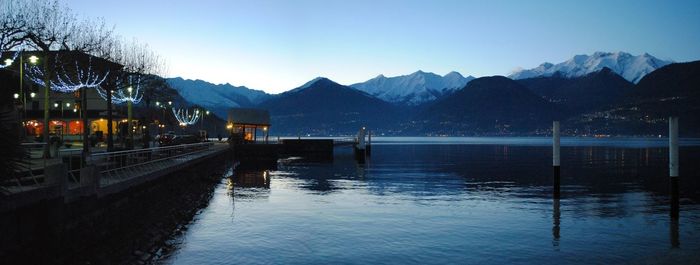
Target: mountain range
<point>588,101</point>
<point>413,89</point>
<point>217,98</point>
<point>630,67</point>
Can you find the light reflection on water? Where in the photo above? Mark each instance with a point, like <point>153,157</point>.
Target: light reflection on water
<point>438,203</point>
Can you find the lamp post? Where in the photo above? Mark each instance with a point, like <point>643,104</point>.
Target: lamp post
<point>265,133</point>
<point>32,60</point>
<point>47,88</point>
<point>23,100</point>
<point>59,104</point>
<point>129,106</point>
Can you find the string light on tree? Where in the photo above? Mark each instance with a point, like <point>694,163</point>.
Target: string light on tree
<point>130,94</point>
<point>184,117</point>
<point>8,62</point>
<point>64,82</point>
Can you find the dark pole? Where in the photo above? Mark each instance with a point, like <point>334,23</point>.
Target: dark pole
<point>556,159</point>
<point>21,89</point>
<point>47,87</point>
<point>86,128</point>
<point>110,141</point>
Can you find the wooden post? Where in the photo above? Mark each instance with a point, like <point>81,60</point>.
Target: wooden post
<point>556,161</point>
<point>673,164</point>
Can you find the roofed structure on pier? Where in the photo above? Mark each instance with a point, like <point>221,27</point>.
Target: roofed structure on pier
<point>247,121</point>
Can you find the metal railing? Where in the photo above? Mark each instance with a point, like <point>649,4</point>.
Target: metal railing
<point>345,141</point>
<point>130,163</point>
<point>72,158</point>
<point>35,162</point>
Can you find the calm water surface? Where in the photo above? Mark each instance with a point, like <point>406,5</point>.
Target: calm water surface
<point>455,200</point>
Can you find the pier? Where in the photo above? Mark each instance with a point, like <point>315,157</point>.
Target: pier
<point>268,152</point>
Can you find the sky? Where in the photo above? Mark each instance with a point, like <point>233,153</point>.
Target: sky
<point>279,45</point>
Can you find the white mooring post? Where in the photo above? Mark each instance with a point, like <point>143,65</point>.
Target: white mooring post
<point>556,160</point>
<point>673,164</point>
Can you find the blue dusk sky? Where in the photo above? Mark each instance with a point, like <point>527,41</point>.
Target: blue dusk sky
<point>279,45</point>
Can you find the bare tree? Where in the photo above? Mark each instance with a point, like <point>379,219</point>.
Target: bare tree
<point>12,25</point>
<point>52,27</point>
<point>138,77</point>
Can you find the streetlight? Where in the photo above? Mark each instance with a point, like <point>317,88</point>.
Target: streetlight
<point>33,59</point>
<point>8,62</point>
<point>57,104</point>
<point>129,105</point>
<point>265,132</point>
<point>15,95</point>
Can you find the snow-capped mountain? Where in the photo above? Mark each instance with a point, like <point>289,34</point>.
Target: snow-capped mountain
<point>630,67</point>
<point>218,98</point>
<point>413,89</point>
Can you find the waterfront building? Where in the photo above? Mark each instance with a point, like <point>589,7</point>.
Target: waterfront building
<point>244,123</point>
<point>65,107</point>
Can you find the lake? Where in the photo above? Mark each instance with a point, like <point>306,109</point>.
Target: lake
<point>454,200</point>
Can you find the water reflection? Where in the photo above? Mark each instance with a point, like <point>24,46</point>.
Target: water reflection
<point>591,173</point>
<point>251,179</point>
<point>556,221</point>
<point>674,233</point>
<point>443,203</point>
<point>248,184</point>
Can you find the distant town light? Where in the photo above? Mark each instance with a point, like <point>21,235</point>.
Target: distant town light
<point>75,110</point>
<point>9,62</point>
<point>32,94</point>
<point>55,105</point>
<point>129,89</point>
<point>170,103</point>
<point>16,96</point>
<point>33,59</point>
<point>157,103</point>
<point>67,104</point>
<point>207,112</point>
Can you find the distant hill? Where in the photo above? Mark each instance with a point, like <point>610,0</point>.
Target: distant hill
<point>580,94</point>
<point>674,80</point>
<point>413,89</point>
<point>633,68</point>
<point>323,107</point>
<point>488,105</point>
<point>671,90</point>
<point>217,98</point>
